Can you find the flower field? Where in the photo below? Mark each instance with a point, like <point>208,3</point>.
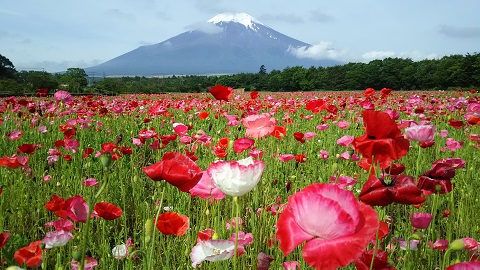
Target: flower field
<point>316,180</point>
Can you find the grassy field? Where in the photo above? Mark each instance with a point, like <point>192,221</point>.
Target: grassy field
<point>50,147</point>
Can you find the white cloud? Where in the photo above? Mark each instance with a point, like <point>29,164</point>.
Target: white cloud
<point>205,27</point>
<point>320,50</point>
<point>379,55</point>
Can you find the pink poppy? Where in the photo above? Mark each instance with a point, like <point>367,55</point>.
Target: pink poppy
<point>242,144</point>
<point>322,127</point>
<point>90,264</point>
<point>244,239</point>
<point>76,208</point>
<point>285,157</point>
<point>421,220</point>
<point>330,243</point>
<point>453,145</point>
<point>63,96</point>
<point>345,140</point>
<point>439,244</point>
<point>57,239</point>
<point>15,135</point>
<point>464,266</point>
<point>180,129</point>
<point>323,154</point>
<point>259,126</point>
<point>90,182</point>
<point>205,189</point>
<point>420,133</point>
<point>292,265</point>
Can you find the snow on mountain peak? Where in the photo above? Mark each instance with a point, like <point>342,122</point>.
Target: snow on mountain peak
<point>243,18</point>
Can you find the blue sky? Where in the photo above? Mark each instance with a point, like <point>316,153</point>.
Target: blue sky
<point>54,35</point>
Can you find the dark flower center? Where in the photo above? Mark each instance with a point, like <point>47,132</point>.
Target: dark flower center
<point>371,137</point>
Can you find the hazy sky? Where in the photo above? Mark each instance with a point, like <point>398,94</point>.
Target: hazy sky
<point>54,35</point>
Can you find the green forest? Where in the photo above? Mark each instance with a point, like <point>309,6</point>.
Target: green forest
<point>448,72</point>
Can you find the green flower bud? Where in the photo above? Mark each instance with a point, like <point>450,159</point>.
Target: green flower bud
<point>106,159</point>
<point>457,245</point>
<point>148,230</point>
<point>76,254</point>
<point>417,236</point>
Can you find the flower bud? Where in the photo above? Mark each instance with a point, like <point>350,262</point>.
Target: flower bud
<point>106,159</point>
<point>457,245</point>
<point>148,230</point>
<point>76,254</point>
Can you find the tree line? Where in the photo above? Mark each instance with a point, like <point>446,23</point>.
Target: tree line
<point>454,71</point>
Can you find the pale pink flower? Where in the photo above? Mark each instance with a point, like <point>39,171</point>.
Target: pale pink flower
<point>343,124</point>
<point>15,135</point>
<point>310,135</point>
<point>212,250</point>
<point>323,154</point>
<point>47,178</point>
<point>420,133</point>
<point>137,141</point>
<point>292,265</point>
<point>42,129</point>
<point>57,238</point>
<point>443,133</point>
<point>90,263</point>
<point>259,126</point>
<point>453,145</point>
<point>343,181</point>
<point>244,239</point>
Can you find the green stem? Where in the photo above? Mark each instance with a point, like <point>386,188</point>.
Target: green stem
<point>150,254</point>
<point>237,210</point>
<point>418,161</point>
<point>91,205</point>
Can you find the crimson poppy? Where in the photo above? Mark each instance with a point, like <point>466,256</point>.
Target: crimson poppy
<point>382,139</point>
<point>253,95</point>
<point>438,179</point>
<point>242,144</point>
<point>299,136</point>
<point>26,148</point>
<point>398,188</point>
<point>457,124</point>
<point>369,92</point>
<point>108,211</point>
<point>30,255</point>
<point>301,158</point>
<point>172,223</point>
<point>221,92</point>
<point>87,152</point>
<point>373,259</point>
<point>177,169</point>
<point>4,238</point>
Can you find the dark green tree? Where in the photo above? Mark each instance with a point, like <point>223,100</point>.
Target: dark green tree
<point>7,69</point>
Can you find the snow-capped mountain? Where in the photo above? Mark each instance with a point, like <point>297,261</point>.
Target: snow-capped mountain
<point>227,43</point>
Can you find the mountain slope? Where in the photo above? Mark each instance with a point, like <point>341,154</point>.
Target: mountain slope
<point>227,43</point>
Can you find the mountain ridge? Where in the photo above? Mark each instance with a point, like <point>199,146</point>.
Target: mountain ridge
<point>228,43</point>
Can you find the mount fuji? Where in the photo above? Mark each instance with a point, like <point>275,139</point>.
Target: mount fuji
<point>228,43</point>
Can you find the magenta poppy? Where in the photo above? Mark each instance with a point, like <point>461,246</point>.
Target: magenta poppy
<point>76,209</point>
<point>331,242</point>
<point>177,169</point>
<point>221,92</point>
<point>421,220</point>
<point>108,211</point>
<point>396,188</point>
<point>4,236</point>
<point>242,144</point>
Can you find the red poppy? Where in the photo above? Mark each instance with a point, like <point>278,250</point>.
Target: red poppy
<point>299,136</point>
<point>56,205</point>
<point>398,188</point>
<point>301,158</point>
<point>279,132</point>
<point>14,161</point>
<point>172,223</point>
<point>177,169</point>
<point>316,105</point>
<point>205,235</point>
<point>253,95</point>
<point>30,255</point>
<point>203,115</point>
<point>395,169</point>
<point>108,211</point>
<point>382,140</point>
<point>223,143</point>
<point>87,152</point>
<point>26,148</point>
<point>242,144</point>
<point>69,133</point>
<point>369,92</point>
<point>385,92</point>
<point>42,92</point>
<point>4,238</point>
<point>219,151</point>
<point>379,258</point>
<point>221,92</point>
<point>457,124</point>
